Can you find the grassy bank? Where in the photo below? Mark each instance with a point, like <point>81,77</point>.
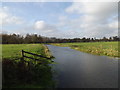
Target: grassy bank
<point>19,74</point>
<point>14,50</point>
<point>97,48</point>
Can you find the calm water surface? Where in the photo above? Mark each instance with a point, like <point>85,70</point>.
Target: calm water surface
<point>75,69</point>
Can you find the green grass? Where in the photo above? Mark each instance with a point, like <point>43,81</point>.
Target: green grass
<point>18,74</point>
<point>14,50</point>
<point>97,48</point>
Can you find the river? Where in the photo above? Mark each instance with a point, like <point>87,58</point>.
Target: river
<point>75,69</point>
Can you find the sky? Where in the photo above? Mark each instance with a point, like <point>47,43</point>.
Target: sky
<point>60,19</point>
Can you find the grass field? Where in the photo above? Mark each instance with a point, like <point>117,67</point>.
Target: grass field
<point>14,50</point>
<point>19,74</point>
<point>97,48</point>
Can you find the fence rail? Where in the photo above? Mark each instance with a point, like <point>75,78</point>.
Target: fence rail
<point>23,55</point>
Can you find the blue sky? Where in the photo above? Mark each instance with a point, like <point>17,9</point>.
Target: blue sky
<point>60,19</point>
<point>33,11</point>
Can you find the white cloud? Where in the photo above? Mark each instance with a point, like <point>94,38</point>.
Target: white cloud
<point>43,27</point>
<point>99,10</point>
<point>40,25</point>
<point>7,18</point>
<point>97,19</point>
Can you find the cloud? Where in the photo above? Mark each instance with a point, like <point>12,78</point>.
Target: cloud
<point>7,18</point>
<point>40,25</point>
<point>49,30</point>
<point>97,19</point>
<point>93,20</point>
<point>44,27</point>
<point>113,25</point>
<point>94,11</point>
<point>92,7</point>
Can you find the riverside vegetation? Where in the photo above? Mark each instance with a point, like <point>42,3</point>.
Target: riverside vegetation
<point>18,74</point>
<point>97,48</point>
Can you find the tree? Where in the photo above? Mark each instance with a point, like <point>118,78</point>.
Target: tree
<point>115,38</point>
<point>104,39</point>
<point>34,38</point>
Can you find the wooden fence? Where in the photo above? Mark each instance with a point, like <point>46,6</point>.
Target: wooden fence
<point>24,56</point>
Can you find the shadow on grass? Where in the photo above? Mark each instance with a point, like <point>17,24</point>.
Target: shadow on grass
<point>20,74</point>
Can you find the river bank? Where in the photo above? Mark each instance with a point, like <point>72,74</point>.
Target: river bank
<point>96,48</point>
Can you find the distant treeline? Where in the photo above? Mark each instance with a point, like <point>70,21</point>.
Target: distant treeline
<point>34,38</point>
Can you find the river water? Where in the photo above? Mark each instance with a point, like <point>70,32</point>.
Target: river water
<point>75,69</point>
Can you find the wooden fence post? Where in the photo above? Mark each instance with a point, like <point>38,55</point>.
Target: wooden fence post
<point>22,55</point>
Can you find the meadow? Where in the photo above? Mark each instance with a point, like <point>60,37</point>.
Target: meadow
<point>18,74</point>
<point>97,48</point>
<point>14,50</point>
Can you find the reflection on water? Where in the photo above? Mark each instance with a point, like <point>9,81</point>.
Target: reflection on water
<point>81,70</point>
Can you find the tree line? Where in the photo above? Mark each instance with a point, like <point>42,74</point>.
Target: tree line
<point>34,38</point>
